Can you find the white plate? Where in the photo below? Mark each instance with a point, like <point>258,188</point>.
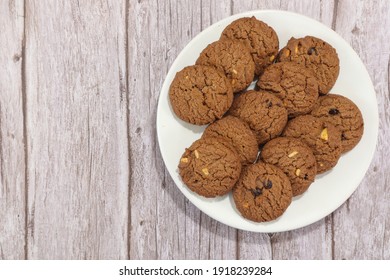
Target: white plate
<point>331,189</point>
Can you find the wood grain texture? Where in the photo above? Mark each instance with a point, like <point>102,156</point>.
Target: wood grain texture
<point>362,225</point>
<point>77,130</point>
<point>167,226</point>
<point>12,167</point>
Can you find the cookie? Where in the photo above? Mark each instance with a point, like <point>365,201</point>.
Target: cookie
<point>258,37</point>
<point>295,85</point>
<point>322,137</point>
<point>262,111</point>
<point>210,167</point>
<point>294,158</point>
<point>238,134</point>
<point>233,59</point>
<point>315,54</point>
<point>200,94</point>
<point>343,114</point>
<point>262,193</point>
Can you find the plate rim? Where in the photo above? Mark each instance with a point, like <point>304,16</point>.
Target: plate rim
<point>256,12</point>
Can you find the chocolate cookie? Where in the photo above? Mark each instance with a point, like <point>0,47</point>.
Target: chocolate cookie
<point>322,137</point>
<point>238,134</point>
<point>315,54</point>
<point>200,94</point>
<point>210,167</point>
<point>232,58</point>
<point>258,37</point>
<point>262,193</point>
<point>262,111</point>
<point>343,114</point>
<point>295,85</point>
<point>294,158</point>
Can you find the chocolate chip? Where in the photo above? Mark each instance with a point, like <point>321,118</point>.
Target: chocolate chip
<point>268,184</point>
<point>343,137</point>
<point>333,111</point>
<point>311,51</point>
<point>306,177</point>
<point>256,192</point>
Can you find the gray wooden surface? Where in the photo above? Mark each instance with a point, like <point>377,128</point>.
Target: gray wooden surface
<point>81,176</point>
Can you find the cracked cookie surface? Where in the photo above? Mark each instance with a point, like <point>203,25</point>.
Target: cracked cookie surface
<point>210,167</point>
<point>238,134</point>
<point>295,85</point>
<point>262,193</point>
<point>258,37</point>
<point>294,158</point>
<point>262,111</point>
<point>200,94</point>
<point>315,54</point>
<point>343,114</point>
<point>233,59</point>
<point>322,137</point>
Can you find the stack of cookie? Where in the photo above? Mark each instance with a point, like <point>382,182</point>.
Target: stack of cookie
<point>265,145</point>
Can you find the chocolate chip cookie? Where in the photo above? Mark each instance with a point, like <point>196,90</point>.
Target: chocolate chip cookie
<point>295,85</point>
<point>238,134</point>
<point>343,114</point>
<point>262,193</point>
<point>200,94</point>
<point>294,158</point>
<point>321,136</point>
<point>233,59</point>
<point>262,111</point>
<point>210,167</point>
<point>315,54</point>
<point>258,37</point>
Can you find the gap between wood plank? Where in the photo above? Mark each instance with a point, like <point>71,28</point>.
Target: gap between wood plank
<point>332,235</point>
<point>25,143</point>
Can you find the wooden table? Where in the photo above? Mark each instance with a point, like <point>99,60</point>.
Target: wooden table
<point>81,175</point>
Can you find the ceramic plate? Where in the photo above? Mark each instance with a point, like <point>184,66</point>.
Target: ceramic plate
<point>330,189</point>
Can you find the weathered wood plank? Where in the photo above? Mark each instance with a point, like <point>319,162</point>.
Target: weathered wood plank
<point>12,164</point>
<point>314,241</point>
<point>76,127</point>
<point>289,245</point>
<point>311,242</point>
<point>362,225</point>
<point>167,226</point>
<point>146,179</point>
